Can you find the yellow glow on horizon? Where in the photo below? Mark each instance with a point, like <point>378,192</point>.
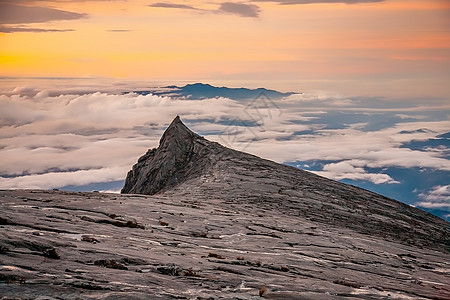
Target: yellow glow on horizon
<point>130,39</point>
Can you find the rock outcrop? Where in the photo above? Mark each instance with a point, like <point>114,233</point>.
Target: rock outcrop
<point>181,155</point>
<point>187,163</point>
<point>219,224</point>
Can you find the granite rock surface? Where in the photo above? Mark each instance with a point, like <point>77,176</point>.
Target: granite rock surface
<point>197,220</point>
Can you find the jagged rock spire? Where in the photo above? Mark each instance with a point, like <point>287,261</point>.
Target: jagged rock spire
<point>176,132</point>
<point>165,166</point>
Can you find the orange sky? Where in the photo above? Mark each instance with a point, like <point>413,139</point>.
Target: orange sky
<point>385,42</point>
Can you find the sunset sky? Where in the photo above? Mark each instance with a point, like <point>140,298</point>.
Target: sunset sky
<point>356,46</point>
<point>80,85</point>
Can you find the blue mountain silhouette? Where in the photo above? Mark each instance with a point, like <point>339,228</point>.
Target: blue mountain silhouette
<point>203,91</point>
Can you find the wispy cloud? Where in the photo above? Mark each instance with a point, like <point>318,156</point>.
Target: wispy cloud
<point>16,18</point>
<point>294,2</point>
<point>119,30</point>
<point>31,2</point>
<point>437,197</point>
<point>8,29</point>
<point>240,9</point>
<point>235,8</point>
<point>50,180</point>
<point>346,170</point>
<point>172,5</point>
<point>19,14</point>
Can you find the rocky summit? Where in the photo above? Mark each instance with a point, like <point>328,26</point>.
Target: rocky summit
<point>197,220</point>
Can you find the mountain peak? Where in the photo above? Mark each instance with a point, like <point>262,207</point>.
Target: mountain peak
<point>165,166</point>
<point>176,120</point>
<point>176,131</point>
<point>188,164</point>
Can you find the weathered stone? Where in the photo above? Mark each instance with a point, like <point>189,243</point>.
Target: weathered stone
<point>168,165</point>
<point>222,225</point>
<point>110,263</point>
<point>51,253</point>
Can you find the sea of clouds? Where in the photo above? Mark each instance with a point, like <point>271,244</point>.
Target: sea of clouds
<point>53,138</point>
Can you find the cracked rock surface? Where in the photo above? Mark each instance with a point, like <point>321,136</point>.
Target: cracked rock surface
<point>219,224</point>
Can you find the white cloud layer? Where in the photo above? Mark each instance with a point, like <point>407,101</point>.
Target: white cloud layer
<point>50,139</point>
<point>56,179</point>
<point>438,197</point>
<point>346,170</point>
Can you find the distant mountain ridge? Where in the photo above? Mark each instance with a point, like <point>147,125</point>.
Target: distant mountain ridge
<point>204,91</point>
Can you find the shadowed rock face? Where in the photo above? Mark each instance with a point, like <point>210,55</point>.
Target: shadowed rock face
<point>219,224</point>
<point>180,156</point>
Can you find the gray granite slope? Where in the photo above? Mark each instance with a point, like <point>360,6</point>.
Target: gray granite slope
<point>219,224</point>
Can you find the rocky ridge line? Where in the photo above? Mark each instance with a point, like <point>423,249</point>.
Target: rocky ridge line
<point>187,163</point>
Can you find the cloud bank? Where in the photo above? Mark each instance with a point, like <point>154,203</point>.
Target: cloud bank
<point>48,139</point>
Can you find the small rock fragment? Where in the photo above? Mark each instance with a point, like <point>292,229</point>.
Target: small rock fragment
<point>262,290</point>
<point>51,253</point>
<point>86,238</point>
<point>110,263</point>
<point>162,223</point>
